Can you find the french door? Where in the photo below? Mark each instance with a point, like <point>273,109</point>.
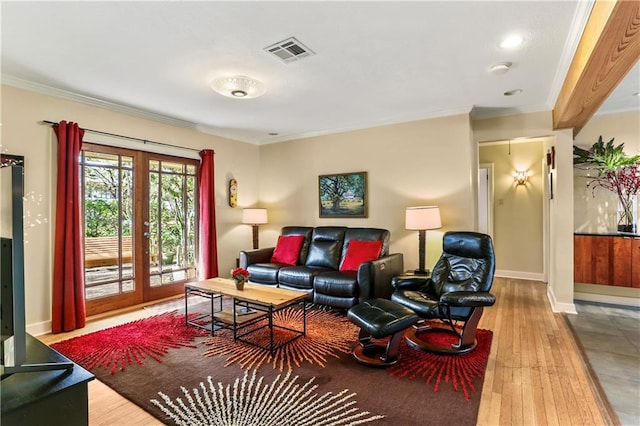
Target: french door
<point>140,225</point>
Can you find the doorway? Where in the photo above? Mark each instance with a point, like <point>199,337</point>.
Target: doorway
<point>485,198</point>
<point>140,233</point>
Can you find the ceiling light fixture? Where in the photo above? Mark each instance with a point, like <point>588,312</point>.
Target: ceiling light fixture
<point>636,94</point>
<point>238,87</point>
<point>512,92</point>
<point>511,42</point>
<point>500,68</point>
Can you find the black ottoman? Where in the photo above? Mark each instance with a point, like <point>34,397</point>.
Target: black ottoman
<point>379,318</point>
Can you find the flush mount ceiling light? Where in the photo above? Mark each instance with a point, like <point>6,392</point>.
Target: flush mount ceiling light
<point>238,87</point>
<point>511,42</point>
<point>500,68</point>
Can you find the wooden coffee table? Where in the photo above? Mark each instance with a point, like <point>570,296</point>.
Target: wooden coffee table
<point>250,306</point>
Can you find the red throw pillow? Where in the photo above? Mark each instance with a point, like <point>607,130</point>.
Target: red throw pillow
<point>359,252</point>
<point>287,249</point>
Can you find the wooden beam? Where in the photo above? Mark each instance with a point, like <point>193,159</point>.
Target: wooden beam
<point>608,49</point>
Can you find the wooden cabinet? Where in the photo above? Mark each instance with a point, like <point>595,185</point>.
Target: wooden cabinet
<point>607,260</point>
<point>635,262</point>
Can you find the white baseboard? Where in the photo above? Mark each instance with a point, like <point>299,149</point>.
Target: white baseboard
<point>532,276</point>
<point>605,298</point>
<point>39,328</point>
<point>556,307</point>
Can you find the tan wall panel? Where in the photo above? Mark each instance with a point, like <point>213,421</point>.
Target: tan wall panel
<point>418,163</point>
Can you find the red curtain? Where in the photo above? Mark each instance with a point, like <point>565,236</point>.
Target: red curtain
<point>68,310</point>
<point>208,238</point>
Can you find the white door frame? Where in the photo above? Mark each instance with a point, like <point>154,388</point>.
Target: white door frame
<point>489,196</point>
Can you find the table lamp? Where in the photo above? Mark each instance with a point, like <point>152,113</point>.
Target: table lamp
<point>254,217</point>
<point>420,219</point>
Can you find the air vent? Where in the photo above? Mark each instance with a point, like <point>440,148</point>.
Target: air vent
<point>289,50</point>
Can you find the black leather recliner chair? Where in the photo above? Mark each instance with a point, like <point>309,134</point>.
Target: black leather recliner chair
<point>455,294</point>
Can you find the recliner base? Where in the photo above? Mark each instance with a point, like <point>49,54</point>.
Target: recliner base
<point>412,338</point>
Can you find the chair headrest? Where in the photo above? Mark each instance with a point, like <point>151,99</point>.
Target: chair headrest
<point>468,244</point>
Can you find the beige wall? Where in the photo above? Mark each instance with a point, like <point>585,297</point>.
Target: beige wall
<point>22,135</point>
<point>596,211</point>
<point>517,209</point>
<point>423,162</point>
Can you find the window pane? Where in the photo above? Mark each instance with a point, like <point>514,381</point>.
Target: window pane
<point>172,201</point>
<point>169,167</point>
<point>108,225</point>
<point>102,159</point>
<point>191,222</point>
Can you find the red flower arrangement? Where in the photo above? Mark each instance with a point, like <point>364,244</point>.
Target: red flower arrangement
<point>240,275</point>
<point>625,182</point>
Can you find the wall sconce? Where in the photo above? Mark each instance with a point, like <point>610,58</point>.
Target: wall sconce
<point>254,217</point>
<point>520,177</point>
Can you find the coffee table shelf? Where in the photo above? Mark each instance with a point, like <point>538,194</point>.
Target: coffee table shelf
<point>226,316</point>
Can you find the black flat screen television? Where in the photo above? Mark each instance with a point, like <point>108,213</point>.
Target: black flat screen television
<point>14,343</point>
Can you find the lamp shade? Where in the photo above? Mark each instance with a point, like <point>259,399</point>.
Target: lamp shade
<point>254,216</point>
<point>422,218</point>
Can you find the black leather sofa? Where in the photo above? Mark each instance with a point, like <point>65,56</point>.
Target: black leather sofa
<point>317,269</point>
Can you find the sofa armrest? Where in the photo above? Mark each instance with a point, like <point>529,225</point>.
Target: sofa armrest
<point>249,257</point>
<point>374,278</point>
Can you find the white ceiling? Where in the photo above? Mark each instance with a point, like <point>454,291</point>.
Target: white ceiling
<point>375,62</point>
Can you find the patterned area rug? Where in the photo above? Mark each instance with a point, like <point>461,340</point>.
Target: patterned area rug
<point>183,377</point>
<point>116,347</point>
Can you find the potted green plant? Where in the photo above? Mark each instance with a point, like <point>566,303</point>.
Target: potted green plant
<point>616,172</point>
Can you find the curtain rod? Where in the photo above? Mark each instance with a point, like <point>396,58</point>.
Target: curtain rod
<point>131,138</point>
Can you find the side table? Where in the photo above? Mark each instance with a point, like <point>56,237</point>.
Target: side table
<point>210,323</point>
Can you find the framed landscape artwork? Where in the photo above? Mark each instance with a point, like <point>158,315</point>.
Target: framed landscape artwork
<point>343,195</point>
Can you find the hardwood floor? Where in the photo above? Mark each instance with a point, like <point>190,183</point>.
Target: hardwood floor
<point>535,375</point>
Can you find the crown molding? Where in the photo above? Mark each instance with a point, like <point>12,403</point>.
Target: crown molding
<point>506,112</point>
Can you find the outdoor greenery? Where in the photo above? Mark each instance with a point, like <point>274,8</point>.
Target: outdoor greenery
<point>102,215</point>
<point>101,219</point>
<point>171,208</point>
<point>172,216</point>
